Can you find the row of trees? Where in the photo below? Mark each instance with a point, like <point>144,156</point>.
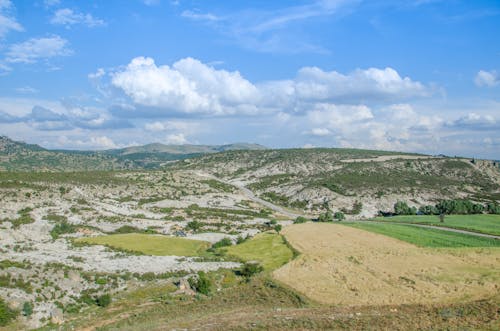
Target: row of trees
<point>461,207</point>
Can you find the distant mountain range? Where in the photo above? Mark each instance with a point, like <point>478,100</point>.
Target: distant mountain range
<point>15,155</point>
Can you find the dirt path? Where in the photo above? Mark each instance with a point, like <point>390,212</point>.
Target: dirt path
<point>444,228</point>
<point>251,196</point>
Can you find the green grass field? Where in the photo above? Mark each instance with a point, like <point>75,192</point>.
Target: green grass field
<point>150,244</point>
<point>268,248</point>
<point>489,224</point>
<point>425,237</point>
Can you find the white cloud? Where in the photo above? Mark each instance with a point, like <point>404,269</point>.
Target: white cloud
<point>68,17</point>
<point>176,139</point>
<point>98,74</point>
<point>320,132</point>
<point>7,21</point>
<point>487,78</point>
<point>94,142</point>
<point>155,126</point>
<point>35,49</point>
<point>188,86</point>
<point>361,85</point>
<point>199,16</point>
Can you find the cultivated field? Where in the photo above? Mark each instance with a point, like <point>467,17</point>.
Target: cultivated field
<point>347,266</point>
<point>489,224</point>
<point>426,237</point>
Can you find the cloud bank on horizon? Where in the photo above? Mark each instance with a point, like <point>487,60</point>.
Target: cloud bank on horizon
<point>398,75</point>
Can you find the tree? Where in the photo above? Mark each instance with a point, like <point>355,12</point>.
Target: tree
<point>277,228</point>
<point>441,218</point>
<point>339,216</point>
<point>326,217</point>
<point>402,208</point>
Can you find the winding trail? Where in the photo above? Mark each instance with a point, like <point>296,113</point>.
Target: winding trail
<point>251,196</point>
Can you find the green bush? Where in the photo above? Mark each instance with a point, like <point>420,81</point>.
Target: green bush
<point>326,217</point>
<point>201,284</point>
<point>300,220</point>
<point>27,309</point>
<point>222,243</point>
<point>103,300</point>
<point>339,216</point>
<point>6,314</point>
<point>402,208</point>
<point>251,268</point>
<point>62,228</point>
<point>194,225</point>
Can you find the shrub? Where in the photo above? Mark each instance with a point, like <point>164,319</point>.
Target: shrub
<point>222,243</point>
<point>326,217</point>
<point>251,268</point>
<point>201,283</point>
<point>300,219</point>
<point>6,314</point>
<point>62,228</point>
<point>339,216</point>
<point>103,300</point>
<point>277,228</point>
<point>194,225</point>
<point>27,309</point>
<point>402,208</point>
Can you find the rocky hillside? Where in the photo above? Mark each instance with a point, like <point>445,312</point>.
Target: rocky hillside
<point>359,182</point>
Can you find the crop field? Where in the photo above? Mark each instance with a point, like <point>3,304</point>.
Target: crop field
<point>268,248</point>
<point>348,266</point>
<point>149,244</point>
<point>426,237</point>
<point>489,224</point>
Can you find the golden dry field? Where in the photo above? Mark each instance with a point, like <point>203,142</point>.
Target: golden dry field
<point>346,266</point>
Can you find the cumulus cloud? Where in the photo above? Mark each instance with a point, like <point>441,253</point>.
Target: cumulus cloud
<point>320,132</point>
<point>190,86</point>
<point>36,49</point>
<point>69,17</point>
<point>176,139</point>
<point>487,78</point>
<point>7,21</point>
<point>476,121</point>
<point>94,142</point>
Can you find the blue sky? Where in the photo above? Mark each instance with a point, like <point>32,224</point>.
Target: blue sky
<point>410,75</point>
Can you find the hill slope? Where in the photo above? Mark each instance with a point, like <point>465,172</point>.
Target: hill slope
<point>358,182</point>
<point>20,156</point>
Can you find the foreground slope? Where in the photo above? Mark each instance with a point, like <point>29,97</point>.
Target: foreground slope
<point>346,266</point>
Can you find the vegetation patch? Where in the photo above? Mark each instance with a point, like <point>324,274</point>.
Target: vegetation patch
<point>269,249</point>
<point>489,224</point>
<point>150,244</point>
<point>425,237</point>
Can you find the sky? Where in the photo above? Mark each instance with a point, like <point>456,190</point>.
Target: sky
<point>406,75</point>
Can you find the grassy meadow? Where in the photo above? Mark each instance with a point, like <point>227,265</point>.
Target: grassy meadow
<point>270,249</point>
<point>149,244</point>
